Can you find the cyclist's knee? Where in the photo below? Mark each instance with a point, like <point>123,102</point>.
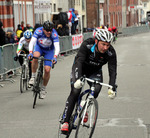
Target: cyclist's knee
<point>47,69</point>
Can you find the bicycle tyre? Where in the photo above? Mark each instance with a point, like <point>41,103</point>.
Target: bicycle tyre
<point>26,78</point>
<point>36,90</point>
<point>82,130</point>
<point>36,87</point>
<point>22,81</point>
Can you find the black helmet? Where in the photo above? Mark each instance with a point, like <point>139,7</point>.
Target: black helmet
<point>48,26</point>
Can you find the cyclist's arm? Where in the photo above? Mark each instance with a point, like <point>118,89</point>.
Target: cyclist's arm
<point>31,44</point>
<point>20,46</point>
<point>57,49</point>
<point>80,59</point>
<point>112,67</point>
<point>56,42</point>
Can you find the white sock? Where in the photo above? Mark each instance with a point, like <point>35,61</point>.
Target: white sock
<point>33,75</point>
<point>43,87</point>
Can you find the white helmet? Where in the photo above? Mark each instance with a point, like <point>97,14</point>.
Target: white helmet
<point>103,35</point>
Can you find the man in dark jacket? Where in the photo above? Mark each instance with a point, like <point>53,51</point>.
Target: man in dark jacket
<point>2,35</point>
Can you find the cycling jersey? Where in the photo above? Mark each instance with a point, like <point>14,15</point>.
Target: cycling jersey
<point>42,40</point>
<point>47,46</point>
<point>23,44</point>
<point>45,42</point>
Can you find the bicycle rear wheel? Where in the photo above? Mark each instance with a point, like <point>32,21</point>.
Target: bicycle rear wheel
<point>86,129</point>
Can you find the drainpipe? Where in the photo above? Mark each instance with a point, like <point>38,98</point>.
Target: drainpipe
<point>124,21</point>
<point>98,23</point>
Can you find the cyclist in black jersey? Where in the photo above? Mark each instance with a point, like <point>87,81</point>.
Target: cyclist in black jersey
<point>92,55</point>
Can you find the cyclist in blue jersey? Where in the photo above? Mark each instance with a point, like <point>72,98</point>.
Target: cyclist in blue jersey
<point>46,43</point>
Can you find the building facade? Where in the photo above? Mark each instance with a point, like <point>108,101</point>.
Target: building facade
<point>94,13</point>
<point>80,6</point>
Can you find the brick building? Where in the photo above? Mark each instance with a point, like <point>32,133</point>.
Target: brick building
<point>6,14</point>
<point>115,13</point>
<point>131,12</point>
<point>92,13</point>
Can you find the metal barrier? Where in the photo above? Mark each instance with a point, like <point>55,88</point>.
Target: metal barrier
<point>65,43</point>
<point>134,30</point>
<point>1,62</point>
<point>87,35</point>
<point>7,63</point>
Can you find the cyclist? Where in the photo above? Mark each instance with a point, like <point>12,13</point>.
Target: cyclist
<point>46,43</point>
<point>92,55</point>
<point>23,48</point>
<point>114,32</point>
<point>109,29</point>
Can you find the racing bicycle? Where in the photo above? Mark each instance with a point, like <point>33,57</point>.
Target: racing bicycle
<point>39,79</point>
<point>84,117</point>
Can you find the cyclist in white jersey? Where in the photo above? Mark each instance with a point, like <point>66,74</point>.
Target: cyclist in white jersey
<point>23,48</point>
<point>46,44</point>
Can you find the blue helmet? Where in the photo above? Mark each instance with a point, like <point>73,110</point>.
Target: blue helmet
<point>27,34</point>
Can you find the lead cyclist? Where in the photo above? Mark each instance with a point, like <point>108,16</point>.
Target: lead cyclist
<point>92,55</point>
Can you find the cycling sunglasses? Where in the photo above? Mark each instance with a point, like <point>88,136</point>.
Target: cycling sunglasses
<point>48,30</point>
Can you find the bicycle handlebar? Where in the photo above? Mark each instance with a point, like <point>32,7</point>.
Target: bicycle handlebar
<point>44,59</point>
<point>97,82</point>
<point>23,55</point>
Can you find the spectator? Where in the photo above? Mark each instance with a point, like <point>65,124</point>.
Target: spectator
<point>19,31</point>
<point>2,35</point>
<point>69,20</point>
<point>10,36</point>
<point>62,30</point>
<point>22,25</point>
<point>36,26</point>
<point>103,27</point>
<point>72,21</point>
<point>21,35</point>
<point>29,27</point>
<point>76,19</point>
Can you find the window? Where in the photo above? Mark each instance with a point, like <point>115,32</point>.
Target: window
<point>54,7</point>
<point>145,5</point>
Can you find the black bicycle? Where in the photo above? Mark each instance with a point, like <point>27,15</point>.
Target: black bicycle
<point>39,79</point>
<point>24,78</point>
<point>85,114</point>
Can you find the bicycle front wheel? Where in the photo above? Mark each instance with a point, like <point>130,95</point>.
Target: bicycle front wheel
<point>86,124</point>
<point>22,79</point>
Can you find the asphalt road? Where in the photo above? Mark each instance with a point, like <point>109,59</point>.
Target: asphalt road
<point>127,116</point>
